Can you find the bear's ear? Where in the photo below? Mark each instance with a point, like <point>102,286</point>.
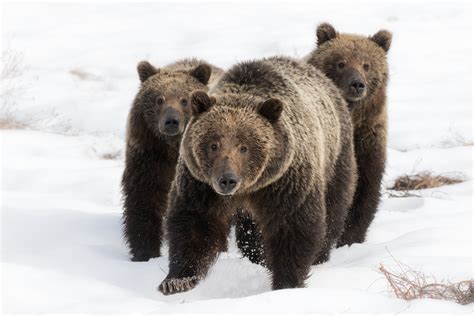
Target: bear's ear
<point>202,73</point>
<point>146,70</point>
<point>382,38</point>
<point>325,32</point>
<point>270,109</point>
<point>201,102</point>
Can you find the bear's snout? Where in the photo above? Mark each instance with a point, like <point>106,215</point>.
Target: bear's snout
<point>354,85</point>
<point>171,124</point>
<point>227,183</point>
<point>357,87</point>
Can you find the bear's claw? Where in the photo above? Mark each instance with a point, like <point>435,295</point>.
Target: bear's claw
<point>173,286</point>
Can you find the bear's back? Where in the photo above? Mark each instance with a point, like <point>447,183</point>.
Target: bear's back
<point>250,76</point>
<point>302,87</point>
<point>313,104</point>
<point>187,64</point>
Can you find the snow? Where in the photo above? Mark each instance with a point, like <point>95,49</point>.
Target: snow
<point>62,246</point>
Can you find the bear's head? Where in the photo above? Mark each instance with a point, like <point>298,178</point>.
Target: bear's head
<point>164,96</point>
<point>230,141</point>
<point>357,64</point>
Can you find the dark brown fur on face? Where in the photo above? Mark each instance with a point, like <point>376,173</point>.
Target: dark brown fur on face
<point>283,132</point>
<point>358,65</point>
<point>156,122</point>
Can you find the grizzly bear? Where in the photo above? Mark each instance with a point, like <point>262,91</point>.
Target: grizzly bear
<point>156,122</point>
<point>275,139</point>
<point>358,66</point>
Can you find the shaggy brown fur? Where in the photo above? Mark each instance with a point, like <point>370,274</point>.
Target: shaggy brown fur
<point>249,237</point>
<point>277,142</point>
<point>358,65</point>
<point>155,124</point>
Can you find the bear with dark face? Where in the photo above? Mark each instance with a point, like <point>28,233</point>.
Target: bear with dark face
<point>358,65</point>
<point>275,138</point>
<point>156,123</point>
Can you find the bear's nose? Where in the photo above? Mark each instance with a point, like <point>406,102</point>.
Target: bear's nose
<point>170,126</point>
<point>171,123</point>
<point>357,87</point>
<point>227,182</point>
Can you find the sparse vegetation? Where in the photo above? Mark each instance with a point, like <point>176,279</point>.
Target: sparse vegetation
<point>107,152</point>
<point>409,284</point>
<point>111,155</point>
<point>401,194</point>
<point>9,122</point>
<point>84,75</point>
<point>423,180</point>
<point>11,86</point>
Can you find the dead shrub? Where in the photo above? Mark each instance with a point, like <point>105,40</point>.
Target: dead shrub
<point>111,156</point>
<point>11,86</point>
<point>9,122</point>
<point>423,180</point>
<point>84,75</point>
<point>408,284</point>
<point>401,194</point>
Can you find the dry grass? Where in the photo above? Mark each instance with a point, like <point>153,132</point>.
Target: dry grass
<point>111,156</point>
<point>401,194</point>
<point>9,122</point>
<point>409,284</point>
<point>84,75</point>
<point>108,154</point>
<point>423,180</point>
<point>11,87</point>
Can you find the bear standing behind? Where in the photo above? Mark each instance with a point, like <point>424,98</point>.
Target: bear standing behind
<point>157,119</point>
<point>358,66</point>
<point>275,139</point>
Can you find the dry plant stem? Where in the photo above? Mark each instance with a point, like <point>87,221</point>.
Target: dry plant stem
<point>409,284</point>
<point>423,180</point>
<point>11,86</point>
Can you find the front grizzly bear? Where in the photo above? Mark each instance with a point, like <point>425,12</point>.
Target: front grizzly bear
<point>275,139</point>
<point>358,66</point>
<point>155,124</point>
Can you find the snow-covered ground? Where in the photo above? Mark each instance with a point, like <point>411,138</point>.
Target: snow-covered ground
<point>62,248</point>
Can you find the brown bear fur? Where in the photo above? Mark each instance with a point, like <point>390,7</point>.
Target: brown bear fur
<point>275,138</point>
<point>152,148</point>
<point>358,65</point>
<point>248,237</point>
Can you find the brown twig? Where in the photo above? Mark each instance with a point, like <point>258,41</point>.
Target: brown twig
<point>409,284</point>
<point>423,180</point>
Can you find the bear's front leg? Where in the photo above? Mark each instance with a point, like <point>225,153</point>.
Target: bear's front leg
<point>143,230</point>
<point>293,238</point>
<point>197,232</point>
<point>145,200</point>
<point>371,155</point>
<point>249,238</point>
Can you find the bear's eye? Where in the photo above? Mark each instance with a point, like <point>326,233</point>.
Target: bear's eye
<point>160,100</point>
<point>214,146</point>
<point>366,67</point>
<point>341,64</point>
<point>183,102</point>
<point>243,149</point>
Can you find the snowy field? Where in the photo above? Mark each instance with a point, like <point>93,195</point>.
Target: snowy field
<point>62,249</point>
